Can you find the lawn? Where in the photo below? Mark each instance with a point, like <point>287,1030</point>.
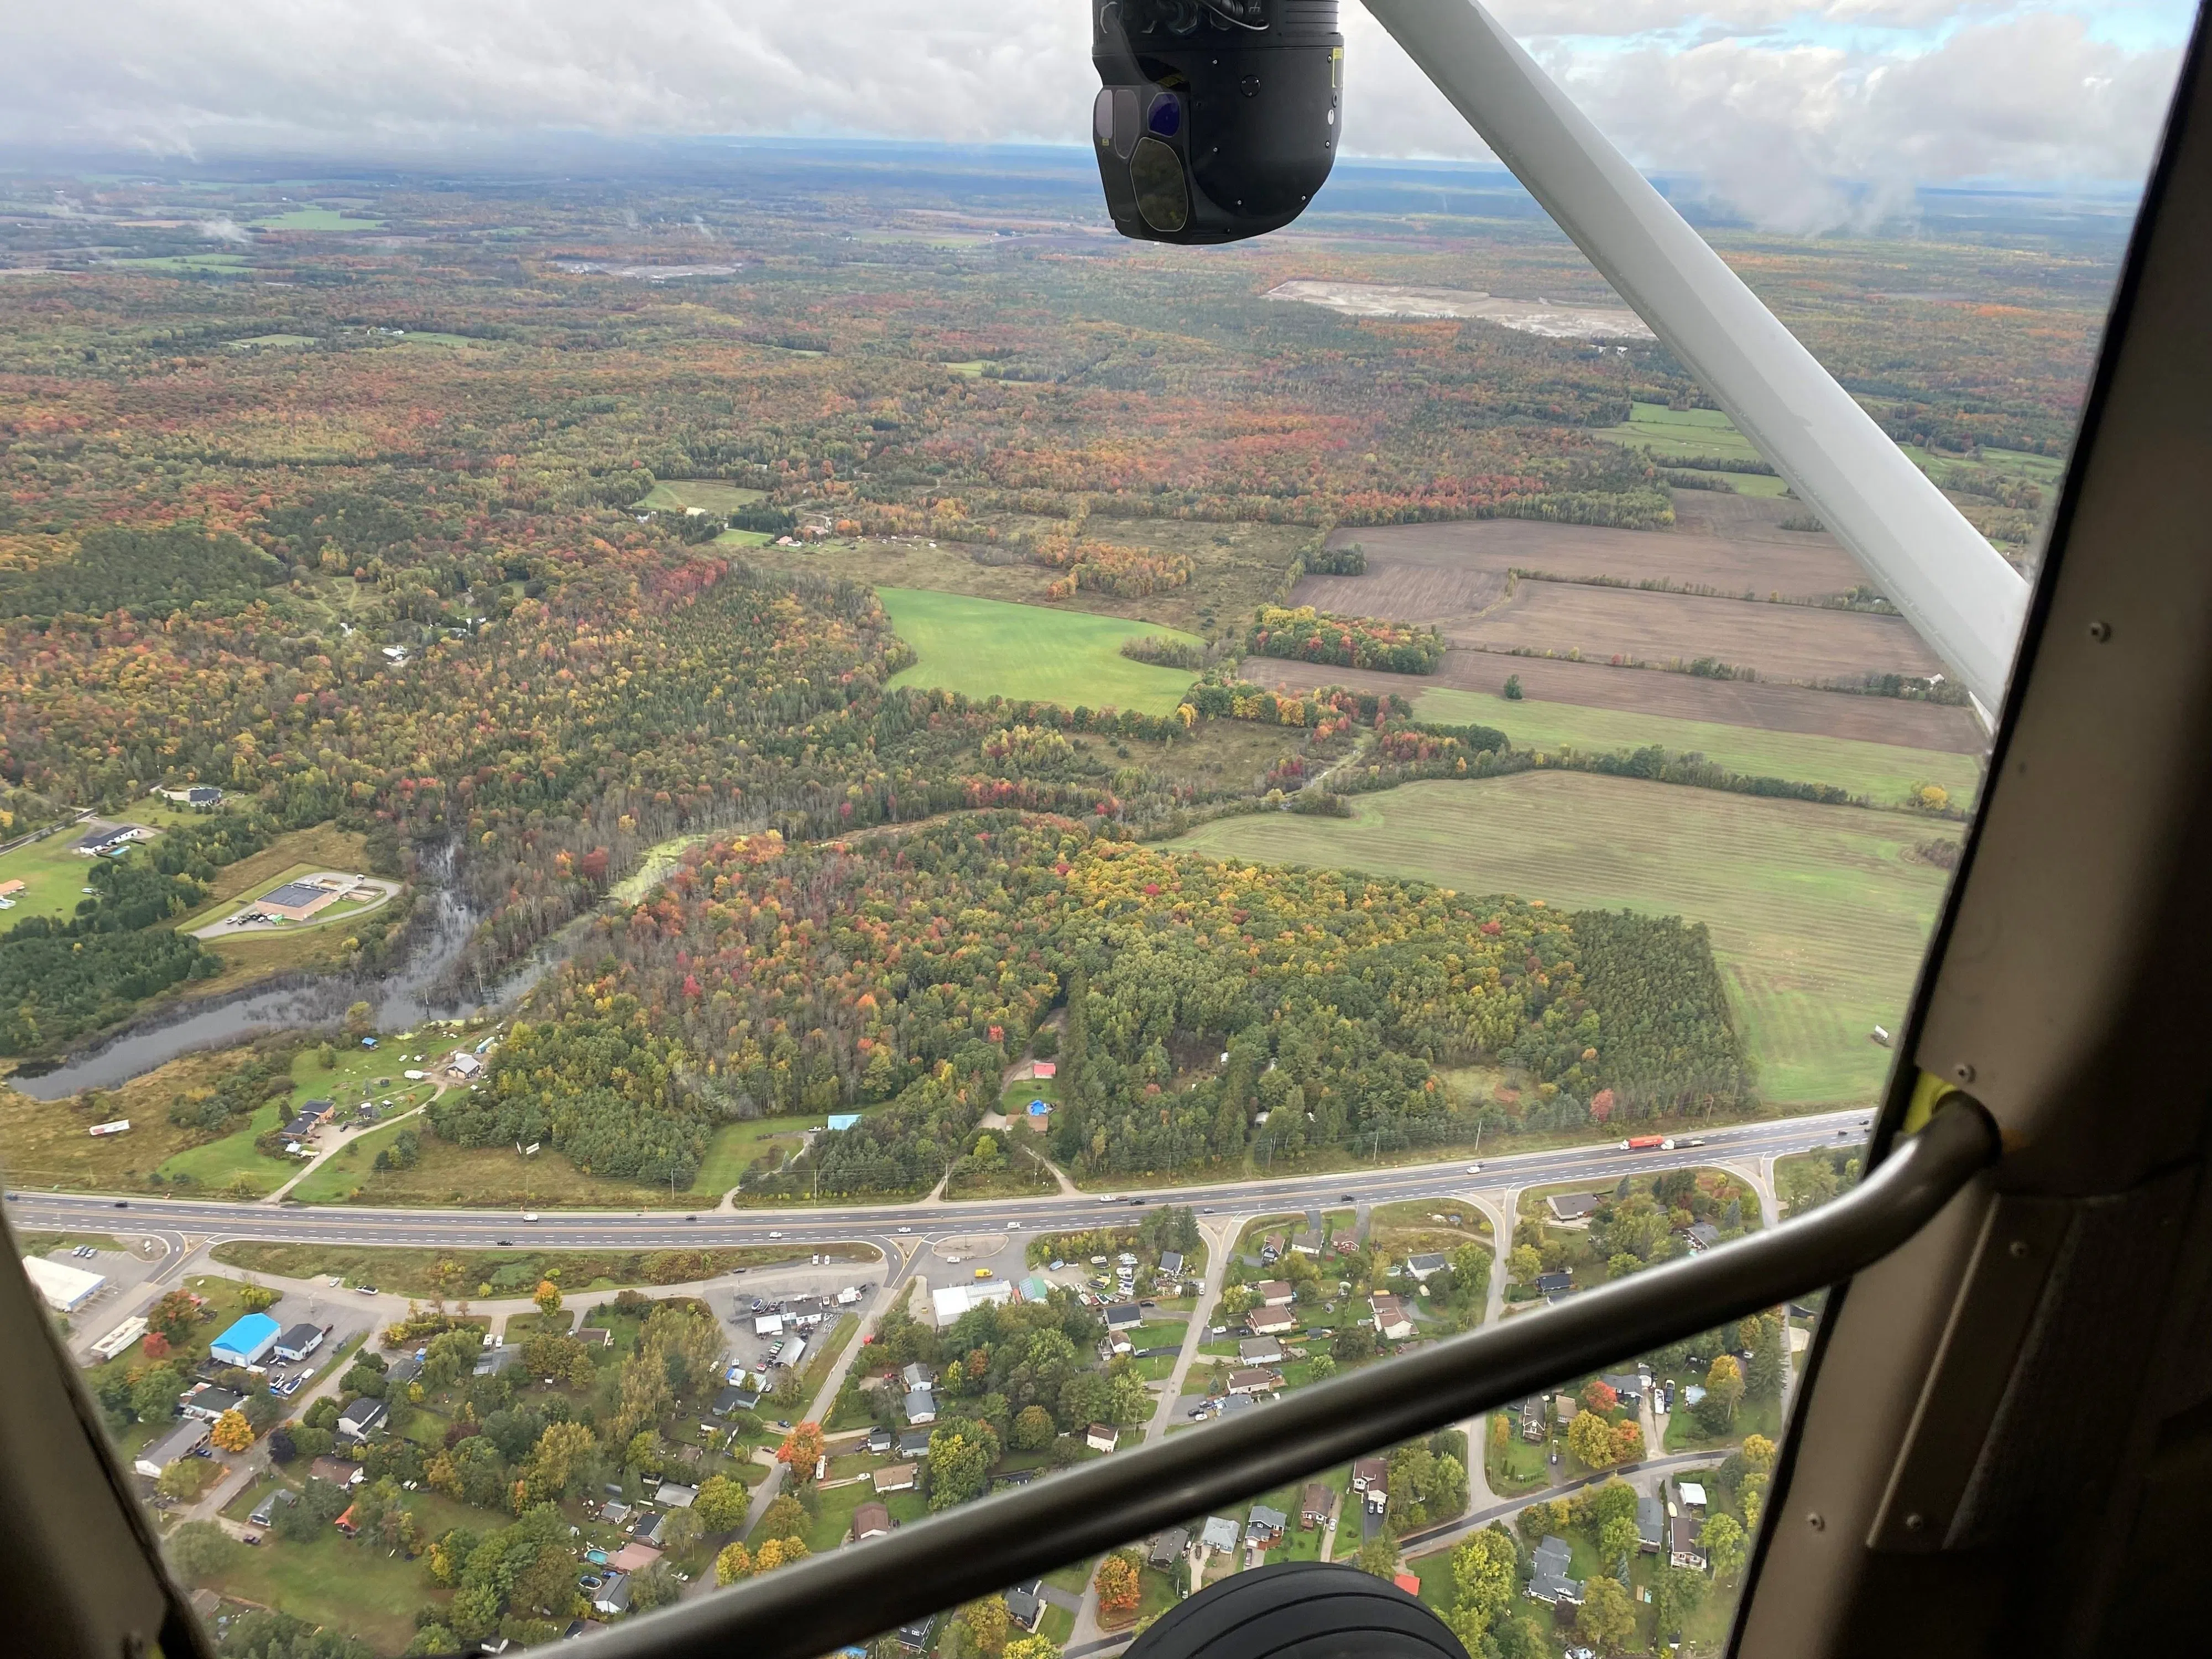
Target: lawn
<point>737,1148</point>
<point>986,647</point>
<point>316,219</point>
<point>354,1587</point>
<point>1880,773</point>
<point>482,1177</point>
<point>708,495</point>
<point>1818,914</point>
<point>265,339</point>
<point>354,1074</point>
<point>1439,1588</point>
<point>54,876</point>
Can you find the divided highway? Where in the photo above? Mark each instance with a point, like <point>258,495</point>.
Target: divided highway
<point>1740,1144</point>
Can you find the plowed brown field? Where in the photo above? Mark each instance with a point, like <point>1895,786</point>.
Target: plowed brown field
<point>1789,642</point>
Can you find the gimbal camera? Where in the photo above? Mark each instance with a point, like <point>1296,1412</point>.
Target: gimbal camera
<point>1218,118</point>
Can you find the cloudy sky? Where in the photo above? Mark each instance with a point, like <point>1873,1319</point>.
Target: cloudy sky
<point>1775,102</point>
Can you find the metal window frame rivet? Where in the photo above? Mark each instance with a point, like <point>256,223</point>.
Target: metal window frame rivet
<point>2100,631</point>
<point>1963,1071</point>
<point>1915,1521</point>
<point>2018,1249</point>
<point>1815,1521</point>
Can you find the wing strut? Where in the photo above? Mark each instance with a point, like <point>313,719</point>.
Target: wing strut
<point>1957,592</point>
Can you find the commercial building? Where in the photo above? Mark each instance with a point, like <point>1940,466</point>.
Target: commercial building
<point>248,1343</point>
<point>66,1288</point>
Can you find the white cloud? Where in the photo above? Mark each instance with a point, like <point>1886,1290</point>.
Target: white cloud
<point>1774,101</point>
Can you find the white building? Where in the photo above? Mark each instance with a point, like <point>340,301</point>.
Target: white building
<point>951,1301</point>
<point>66,1288</point>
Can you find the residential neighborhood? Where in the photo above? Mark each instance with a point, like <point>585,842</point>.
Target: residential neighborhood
<point>828,1414</point>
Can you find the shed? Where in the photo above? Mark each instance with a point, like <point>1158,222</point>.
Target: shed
<point>871,1520</point>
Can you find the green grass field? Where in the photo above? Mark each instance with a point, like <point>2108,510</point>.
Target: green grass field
<point>985,648</point>
<point>735,1146</point>
<point>1669,434</point>
<point>350,1079</point>
<point>54,878</point>
<point>218,262</point>
<point>272,340</point>
<point>1818,917</point>
<point>316,219</point>
<point>1881,772</point>
<point>708,495</point>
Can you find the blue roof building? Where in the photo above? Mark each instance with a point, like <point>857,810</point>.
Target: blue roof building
<point>247,1342</point>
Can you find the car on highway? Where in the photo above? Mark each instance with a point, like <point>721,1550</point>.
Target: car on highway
<point>1348,1198</point>
<point>505,1243</point>
<point>121,1203</point>
<point>1013,1226</point>
<point>906,1230</point>
<point>530,1215</point>
<point>1475,1169</point>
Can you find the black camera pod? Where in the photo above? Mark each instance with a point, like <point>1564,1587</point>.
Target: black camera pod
<point>1218,119</point>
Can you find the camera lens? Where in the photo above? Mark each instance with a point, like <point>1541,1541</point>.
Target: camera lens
<point>1163,198</point>
<point>1166,116</point>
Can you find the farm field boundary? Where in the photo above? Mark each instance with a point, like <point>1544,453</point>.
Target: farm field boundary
<point>1882,772</point>
<point>1819,914</point>
<point>986,647</point>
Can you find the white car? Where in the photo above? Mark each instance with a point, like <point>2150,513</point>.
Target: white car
<point>1013,1226</point>
<point>1475,1169</point>
<point>530,1215</point>
<point>775,1235</point>
<point>906,1230</point>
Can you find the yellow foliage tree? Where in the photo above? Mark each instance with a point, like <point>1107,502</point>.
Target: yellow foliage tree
<point>232,1432</point>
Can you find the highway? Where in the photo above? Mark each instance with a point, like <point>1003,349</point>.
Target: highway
<point>1741,1145</point>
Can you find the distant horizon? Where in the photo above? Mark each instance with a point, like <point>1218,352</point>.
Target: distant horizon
<point>583,154</point>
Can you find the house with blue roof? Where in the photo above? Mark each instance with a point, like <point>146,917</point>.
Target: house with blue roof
<point>248,1343</point>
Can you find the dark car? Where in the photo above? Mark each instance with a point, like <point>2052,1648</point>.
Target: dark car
<point>121,1203</point>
